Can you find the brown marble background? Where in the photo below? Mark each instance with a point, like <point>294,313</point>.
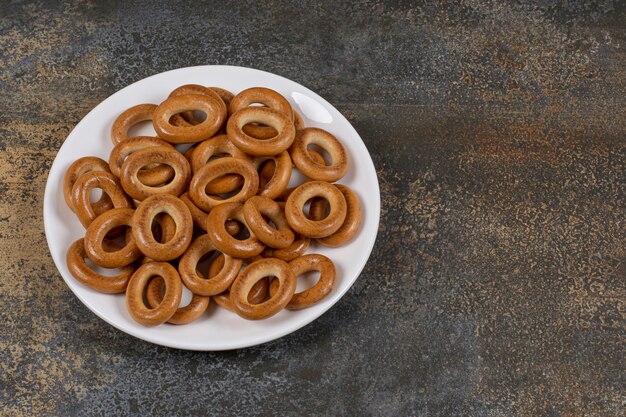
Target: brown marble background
<point>497,286</point>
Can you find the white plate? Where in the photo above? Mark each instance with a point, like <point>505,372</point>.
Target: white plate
<point>218,329</point>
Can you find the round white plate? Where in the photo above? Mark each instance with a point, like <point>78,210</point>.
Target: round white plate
<point>217,329</point>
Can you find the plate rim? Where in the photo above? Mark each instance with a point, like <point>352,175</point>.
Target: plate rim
<point>173,343</point>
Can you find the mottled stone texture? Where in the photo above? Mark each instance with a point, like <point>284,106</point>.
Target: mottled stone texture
<point>497,286</point>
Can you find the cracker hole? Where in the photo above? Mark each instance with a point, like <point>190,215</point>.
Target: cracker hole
<point>184,300</point>
<point>115,239</point>
<point>243,234</point>
<point>95,194</point>
<point>157,229</point>
<point>199,115</point>
<point>202,269</point>
<point>327,158</point>
<point>266,168</point>
<point>209,188</point>
<point>141,129</point>
<point>269,221</point>
<point>307,208</point>
<point>307,280</point>
<point>165,183</point>
<point>230,194</point>
<point>218,156</point>
<point>107,272</point>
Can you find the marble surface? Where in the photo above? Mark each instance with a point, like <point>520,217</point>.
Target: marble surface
<point>497,286</point>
